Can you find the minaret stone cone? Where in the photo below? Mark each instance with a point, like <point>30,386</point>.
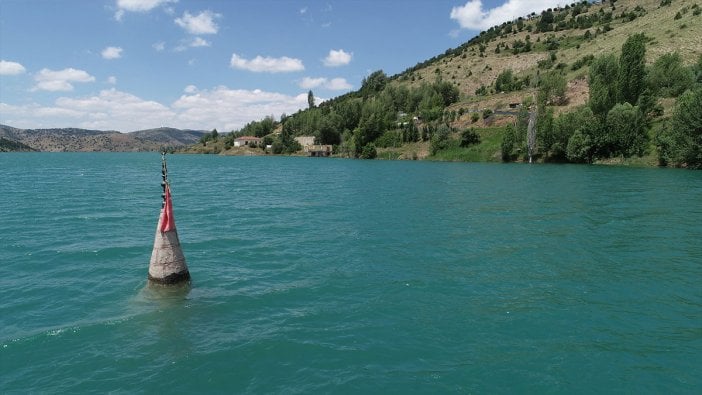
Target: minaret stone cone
<point>167,265</point>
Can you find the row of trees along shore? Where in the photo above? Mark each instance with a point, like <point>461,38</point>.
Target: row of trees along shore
<point>621,118</point>
<point>377,115</point>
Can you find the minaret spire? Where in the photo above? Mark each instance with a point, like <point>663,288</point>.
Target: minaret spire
<point>167,265</point>
<point>164,175</point>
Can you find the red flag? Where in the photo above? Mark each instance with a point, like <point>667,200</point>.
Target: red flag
<point>167,220</point>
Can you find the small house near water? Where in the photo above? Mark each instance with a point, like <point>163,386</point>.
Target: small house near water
<point>247,141</point>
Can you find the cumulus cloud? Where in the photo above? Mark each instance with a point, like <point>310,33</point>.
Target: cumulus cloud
<point>61,80</point>
<point>261,64</point>
<point>473,16</point>
<point>194,43</point>
<point>199,42</point>
<point>111,53</point>
<point>11,68</point>
<point>202,23</point>
<point>108,110</point>
<point>222,108</point>
<point>230,109</point>
<point>337,58</point>
<point>334,84</point>
<point>309,82</point>
<point>112,80</point>
<point>338,84</point>
<point>124,108</point>
<point>137,6</point>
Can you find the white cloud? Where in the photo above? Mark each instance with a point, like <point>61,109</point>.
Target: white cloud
<point>137,6</point>
<point>199,42</point>
<point>203,23</point>
<point>303,10</point>
<point>266,64</point>
<point>337,58</point>
<point>230,109</point>
<point>335,84</point>
<point>338,84</point>
<point>112,53</point>
<point>50,80</point>
<point>124,108</point>
<point>194,43</point>
<point>159,46</point>
<point>222,108</point>
<point>309,83</point>
<point>11,68</point>
<point>109,110</point>
<point>472,15</point>
<point>112,80</point>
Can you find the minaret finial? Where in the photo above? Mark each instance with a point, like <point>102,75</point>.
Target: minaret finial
<point>164,175</point>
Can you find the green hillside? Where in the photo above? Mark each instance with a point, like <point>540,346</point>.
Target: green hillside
<point>472,102</point>
<point>7,145</point>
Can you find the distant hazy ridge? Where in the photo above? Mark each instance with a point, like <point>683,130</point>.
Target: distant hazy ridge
<point>72,139</point>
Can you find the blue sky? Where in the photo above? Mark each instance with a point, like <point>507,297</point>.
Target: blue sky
<point>136,64</point>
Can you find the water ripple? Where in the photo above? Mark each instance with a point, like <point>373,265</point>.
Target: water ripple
<point>349,276</point>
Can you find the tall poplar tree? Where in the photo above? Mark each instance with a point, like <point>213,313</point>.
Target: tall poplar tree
<point>632,68</point>
<point>310,99</point>
<point>603,87</point>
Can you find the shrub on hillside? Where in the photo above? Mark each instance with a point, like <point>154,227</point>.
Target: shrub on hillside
<point>681,143</point>
<point>469,137</point>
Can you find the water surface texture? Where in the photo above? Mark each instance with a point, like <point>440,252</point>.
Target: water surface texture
<point>340,276</point>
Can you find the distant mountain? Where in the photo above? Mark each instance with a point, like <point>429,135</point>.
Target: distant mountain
<point>170,136</point>
<point>73,139</point>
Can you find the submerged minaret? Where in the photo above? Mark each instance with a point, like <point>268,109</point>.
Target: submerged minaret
<point>167,265</point>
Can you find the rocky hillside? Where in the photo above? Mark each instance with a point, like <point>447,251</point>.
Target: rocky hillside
<point>72,139</point>
<point>459,104</point>
<point>169,136</point>
<point>578,32</point>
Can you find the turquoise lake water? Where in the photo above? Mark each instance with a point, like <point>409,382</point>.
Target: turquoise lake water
<point>341,276</point>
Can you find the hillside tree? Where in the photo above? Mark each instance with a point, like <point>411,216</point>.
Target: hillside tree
<point>310,99</point>
<point>668,76</point>
<point>632,68</point>
<point>604,72</point>
<point>681,143</point>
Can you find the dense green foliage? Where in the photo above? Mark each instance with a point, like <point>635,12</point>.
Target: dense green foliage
<point>212,136</point>
<point>622,104</point>
<point>506,81</point>
<point>469,137</point>
<point>668,77</point>
<point>632,68</point>
<point>379,114</point>
<point>7,145</point>
<point>509,139</point>
<point>624,132</point>
<point>604,71</point>
<point>681,142</point>
<point>310,99</point>
<point>389,113</point>
<point>552,88</point>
